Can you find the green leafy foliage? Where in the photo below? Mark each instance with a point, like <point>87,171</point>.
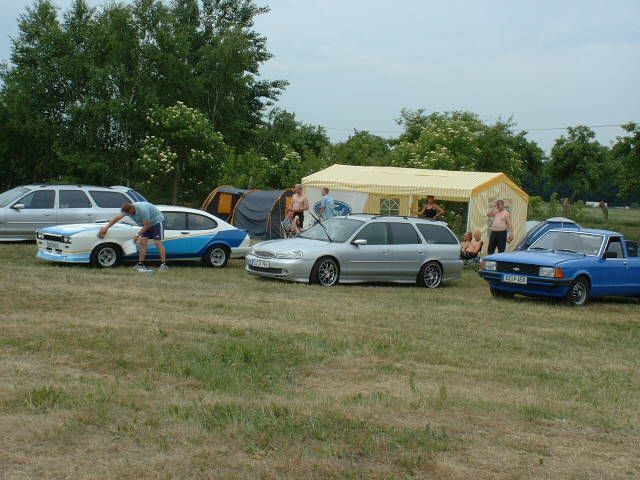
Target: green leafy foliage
<point>579,161</point>
<point>457,141</point>
<point>181,153</point>
<point>625,154</point>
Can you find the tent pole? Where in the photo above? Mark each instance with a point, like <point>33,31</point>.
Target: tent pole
<point>410,204</point>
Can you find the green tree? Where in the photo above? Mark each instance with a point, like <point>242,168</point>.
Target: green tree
<point>625,152</point>
<point>184,155</point>
<point>32,95</point>
<point>456,141</point>
<point>361,148</point>
<point>578,161</point>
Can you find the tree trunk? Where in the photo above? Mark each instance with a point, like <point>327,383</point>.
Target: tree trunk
<point>605,212</point>
<point>566,203</point>
<point>250,184</point>
<point>176,184</point>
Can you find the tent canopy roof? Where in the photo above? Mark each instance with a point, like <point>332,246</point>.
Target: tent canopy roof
<point>443,184</point>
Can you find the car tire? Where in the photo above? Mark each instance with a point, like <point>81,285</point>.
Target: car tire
<point>499,293</point>
<point>430,275</point>
<point>578,294</point>
<point>216,256</point>
<point>325,272</point>
<point>106,255</point>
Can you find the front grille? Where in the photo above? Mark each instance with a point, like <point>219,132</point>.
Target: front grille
<point>53,238</point>
<point>275,271</point>
<point>264,254</point>
<point>518,268</point>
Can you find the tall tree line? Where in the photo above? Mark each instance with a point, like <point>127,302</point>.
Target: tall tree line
<point>167,96</point>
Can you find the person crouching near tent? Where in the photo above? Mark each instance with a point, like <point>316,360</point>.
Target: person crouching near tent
<point>299,204</point>
<point>150,218</point>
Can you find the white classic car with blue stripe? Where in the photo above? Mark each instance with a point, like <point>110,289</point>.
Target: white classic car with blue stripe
<point>189,234</point>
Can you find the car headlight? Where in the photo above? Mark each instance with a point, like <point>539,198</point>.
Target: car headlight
<point>551,272</point>
<point>39,235</point>
<point>488,265</point>
<point>293,254</point>
<point>66,239</point>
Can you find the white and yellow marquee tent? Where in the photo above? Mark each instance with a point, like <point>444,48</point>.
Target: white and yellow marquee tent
<point>397,191</point>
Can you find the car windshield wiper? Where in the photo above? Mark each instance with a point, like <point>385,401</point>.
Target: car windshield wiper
<point>323,227</point>
<point>537,248</point>
<point>569,250</point>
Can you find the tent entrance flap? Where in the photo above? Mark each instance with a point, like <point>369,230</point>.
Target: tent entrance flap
<point>260,212</point>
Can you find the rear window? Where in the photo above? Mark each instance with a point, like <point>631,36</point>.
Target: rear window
<point>404,234</point>
<point>108,199</point>
<point>73,199</point>
<point>200,222</point>
<point>437,234</point>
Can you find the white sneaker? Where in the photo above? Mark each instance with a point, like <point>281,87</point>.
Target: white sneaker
<point>141,268</point>
<point>163,267</point>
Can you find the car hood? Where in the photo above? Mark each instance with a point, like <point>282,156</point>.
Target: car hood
<point>548,258</point>
<point>289,244</point>
<point>69,230</point>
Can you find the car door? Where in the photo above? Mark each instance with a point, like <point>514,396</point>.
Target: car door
<point>201,230</point>
<point>614,270</point>
<point>406,250</point>
<point>31,212</point>
<point>177,241</point>
<point>74,206</point>
<point>372,260</point>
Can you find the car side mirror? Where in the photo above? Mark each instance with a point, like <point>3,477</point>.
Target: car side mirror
<point>359,242</point>
<point>610,255</point>
<point>18,206</point>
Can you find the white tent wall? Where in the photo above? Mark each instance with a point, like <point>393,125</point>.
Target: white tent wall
<point>345,202</point>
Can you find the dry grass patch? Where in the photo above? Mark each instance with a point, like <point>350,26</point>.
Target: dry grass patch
<point>214,374</point>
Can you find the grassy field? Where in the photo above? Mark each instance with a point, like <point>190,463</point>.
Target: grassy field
<point>626,222</point>
<point>214,374</point>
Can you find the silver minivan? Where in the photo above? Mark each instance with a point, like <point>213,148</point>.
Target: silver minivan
<point>25,209</point>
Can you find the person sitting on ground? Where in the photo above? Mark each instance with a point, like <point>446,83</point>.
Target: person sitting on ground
<point>430,210</point>
<point>474,247</point>
<point>291,224</point>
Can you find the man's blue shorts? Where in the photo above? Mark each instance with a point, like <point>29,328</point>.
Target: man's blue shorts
<point>156,232</point>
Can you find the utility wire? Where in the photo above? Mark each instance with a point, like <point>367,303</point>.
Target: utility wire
<point>520,130</point>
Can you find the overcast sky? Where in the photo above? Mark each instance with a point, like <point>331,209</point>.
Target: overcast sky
<point>356,63</point>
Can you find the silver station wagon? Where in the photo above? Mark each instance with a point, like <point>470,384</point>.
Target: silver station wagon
<point>23,210</point>
<point>362,248</point>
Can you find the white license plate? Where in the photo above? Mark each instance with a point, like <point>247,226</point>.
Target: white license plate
<point>52,245</point>
<point>520,279</point>
<point>260,263</point>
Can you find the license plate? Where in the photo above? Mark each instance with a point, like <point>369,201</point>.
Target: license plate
<point>52,245</point>
<point>520,279</point>
<point>260,263</point>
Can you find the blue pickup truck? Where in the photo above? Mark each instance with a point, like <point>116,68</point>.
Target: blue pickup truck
<point>573,265</point>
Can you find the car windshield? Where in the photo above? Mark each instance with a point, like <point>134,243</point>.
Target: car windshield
<point>339,229</point>
<point>10,195</point>
<point>565,241</point>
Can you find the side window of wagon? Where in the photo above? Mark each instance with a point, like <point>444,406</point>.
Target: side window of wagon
<point>437,234</point>
<point>39,200</point>
<point>108,199</point>
<point>375,234</point>
<point>404,234</point>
